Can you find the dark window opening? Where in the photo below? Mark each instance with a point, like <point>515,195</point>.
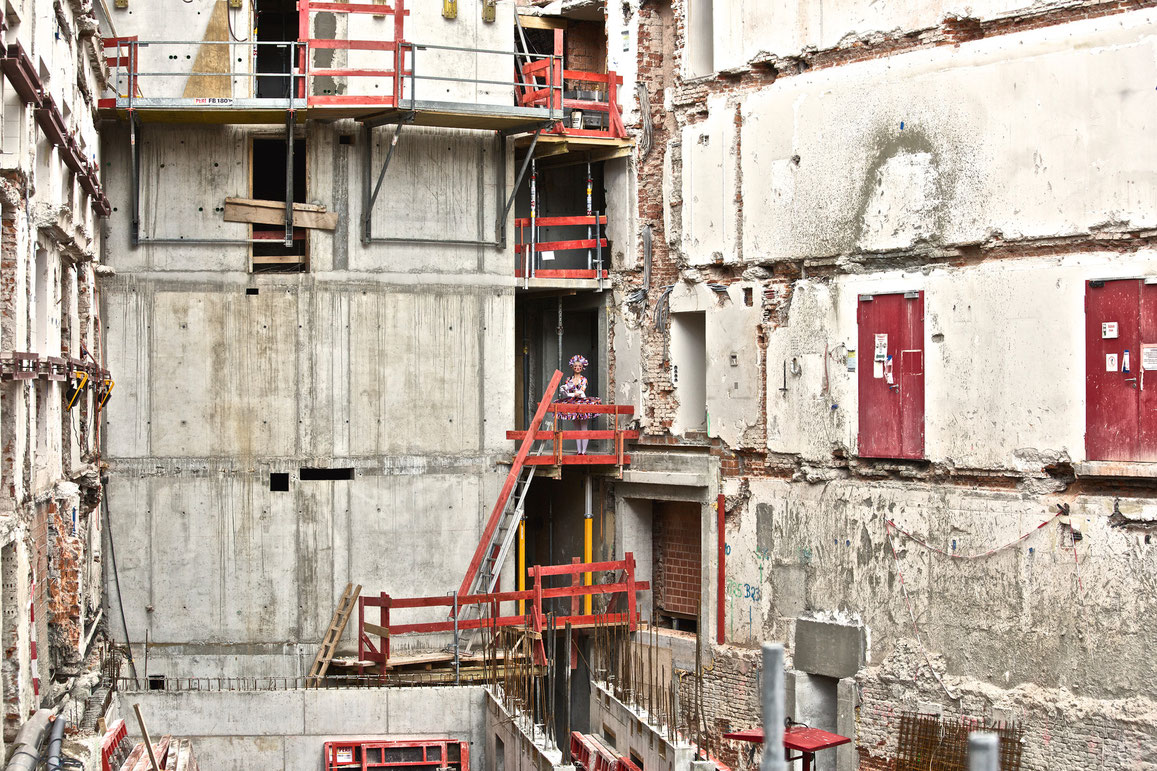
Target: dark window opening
<point>345,139</point>
<point>326,474</point>
<point>279,482</point>
<point>270,254</point>
<point>638,760</point>
<point>277,21</point>
<point>252,290</point>
<point>748,297</point>
<point>156,682</point>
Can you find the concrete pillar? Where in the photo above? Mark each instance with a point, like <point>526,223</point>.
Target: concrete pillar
<point>772,702</point>
<point>846,757</point>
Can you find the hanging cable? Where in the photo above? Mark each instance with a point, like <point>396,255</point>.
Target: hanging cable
<point>115,575</point>
<point>647,139</point>
<point>232,34</point>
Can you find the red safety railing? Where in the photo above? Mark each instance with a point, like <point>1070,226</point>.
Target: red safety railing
<point>590,753</point>
<point>114,747</point>
<point>392,51</point>
<point>374,639</point>
<point>551,78</point>
<point>619,435</point>
<point>528,249</point>
<point>412,754</point>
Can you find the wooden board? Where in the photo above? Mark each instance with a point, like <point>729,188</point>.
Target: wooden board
<point>273,213</point>
<point>212,58</point>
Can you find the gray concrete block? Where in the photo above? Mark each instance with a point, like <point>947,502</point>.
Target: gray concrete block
<point>824,648</point>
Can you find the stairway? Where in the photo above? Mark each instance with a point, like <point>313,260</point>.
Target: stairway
<point>486,566</point>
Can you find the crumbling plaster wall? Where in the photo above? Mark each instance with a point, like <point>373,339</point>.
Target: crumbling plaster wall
<point>1023,630</point>
<point>746,30</point>
<point>988,160</point>
<point>50,489</point>
<point>998,395</point>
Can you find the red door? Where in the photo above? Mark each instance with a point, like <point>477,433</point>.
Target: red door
<point>1120,340</point>
<point>891,375</point>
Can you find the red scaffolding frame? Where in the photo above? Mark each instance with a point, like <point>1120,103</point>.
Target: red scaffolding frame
<point>397,47</point>
<point>379,652</point>
<point>556,436</point>
<point>404,755</point>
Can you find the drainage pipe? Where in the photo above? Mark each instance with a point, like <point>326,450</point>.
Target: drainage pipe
<point>26,756</point>
<point>55,741</point>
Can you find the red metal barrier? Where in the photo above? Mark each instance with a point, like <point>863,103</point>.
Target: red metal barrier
<point>556,76</point>
<point>417,754</point>
<point>379,652</point>
<point>618,434</point>
<point>111,749</point>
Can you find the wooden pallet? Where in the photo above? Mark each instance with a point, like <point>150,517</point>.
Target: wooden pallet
<point>341,616</point>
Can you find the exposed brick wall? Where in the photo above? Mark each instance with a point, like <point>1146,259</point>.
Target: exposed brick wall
<point>586,48</point>
<point>677,564</point>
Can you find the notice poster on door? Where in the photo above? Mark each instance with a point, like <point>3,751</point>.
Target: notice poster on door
<point>1109,330</point>
<point>1110,362</point>
<point>1148,356</point>
<point>881,348</point>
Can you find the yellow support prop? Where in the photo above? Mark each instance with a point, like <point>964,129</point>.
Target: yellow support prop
<point>588,530</point>
<point>522,564</point>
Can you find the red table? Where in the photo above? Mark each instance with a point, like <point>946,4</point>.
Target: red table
<point>807,741</point>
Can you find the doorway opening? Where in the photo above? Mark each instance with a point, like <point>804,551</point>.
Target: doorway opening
<point>277,25</point>
<point>689,370</point>
<point>270,254</point>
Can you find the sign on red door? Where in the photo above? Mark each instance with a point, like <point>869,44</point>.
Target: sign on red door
<point>891,375</point>
<point>1120,356</point>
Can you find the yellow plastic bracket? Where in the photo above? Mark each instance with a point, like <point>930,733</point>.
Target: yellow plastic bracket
<point>109,385</point>
<point>80,378</point>
<point>450,9</point>
<point>488,10</point>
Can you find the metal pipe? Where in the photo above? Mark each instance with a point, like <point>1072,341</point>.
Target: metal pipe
<point>772,702</point>
<point>522,562</point>
<point>533,215</point>
<point>588,538</point>
<point>721,592</point>
<point>135,184</point>
<point>983,751</point>
<point>289,126</point>
<point>590,185</point>
<point>55,740</point>
<point>457,660</point>
<point>26,756</point>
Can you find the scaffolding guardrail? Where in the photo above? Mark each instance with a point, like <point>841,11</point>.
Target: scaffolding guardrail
<point>140,79</point>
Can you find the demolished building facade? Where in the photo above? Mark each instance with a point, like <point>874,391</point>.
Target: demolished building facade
<point>866,295</point>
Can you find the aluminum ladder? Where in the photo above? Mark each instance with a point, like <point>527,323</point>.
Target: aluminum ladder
<point>486,566</point>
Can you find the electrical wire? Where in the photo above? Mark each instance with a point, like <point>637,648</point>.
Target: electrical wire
<point>115,574</point>
<point>232,34</point>
<point>647,139</point>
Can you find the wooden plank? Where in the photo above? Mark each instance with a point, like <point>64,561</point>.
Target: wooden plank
<point>380,631</point>
<point>279,259</point>
<point>541,22</point>
<point>261,203</point>
<point>236,212</point>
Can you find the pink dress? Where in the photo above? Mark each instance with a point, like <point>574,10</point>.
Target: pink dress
<point>574,391</point>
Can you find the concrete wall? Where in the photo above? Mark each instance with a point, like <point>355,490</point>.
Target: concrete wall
<point>635,733</point>
<point>509,746</point>
<point>392,359</point>
<point>288,729</point>
<point>868,158</point>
